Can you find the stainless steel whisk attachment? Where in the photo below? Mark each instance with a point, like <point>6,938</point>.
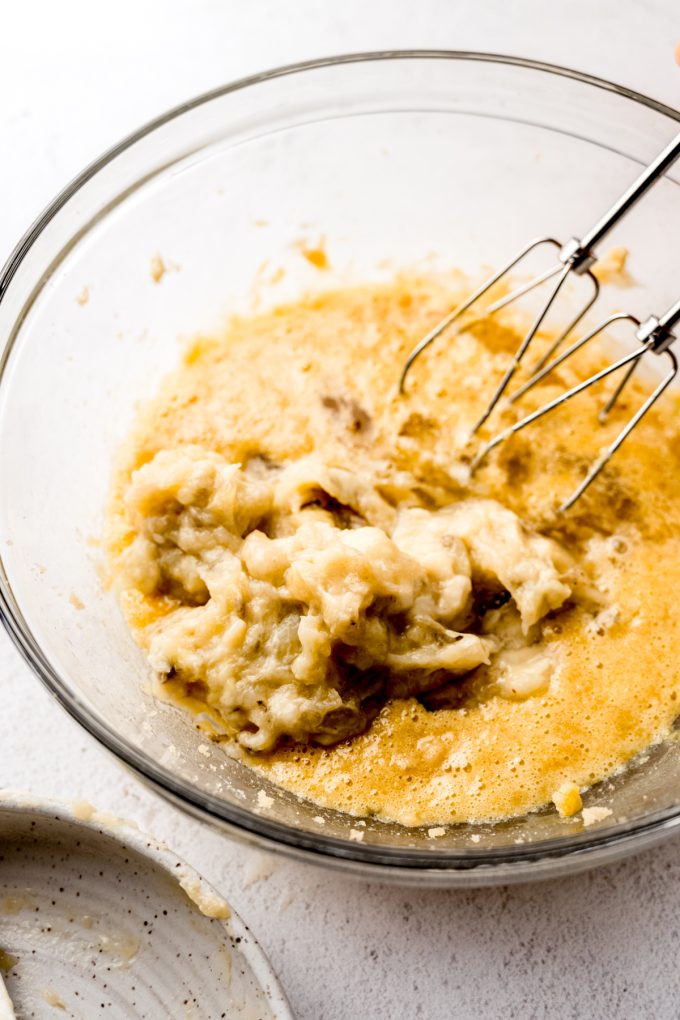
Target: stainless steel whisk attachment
<point>576,256</point>
<point>654,334</point>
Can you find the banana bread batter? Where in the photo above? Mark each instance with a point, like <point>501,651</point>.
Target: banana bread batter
<point>305,560</point>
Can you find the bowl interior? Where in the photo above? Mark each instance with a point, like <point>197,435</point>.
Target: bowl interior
<point>389,163</point>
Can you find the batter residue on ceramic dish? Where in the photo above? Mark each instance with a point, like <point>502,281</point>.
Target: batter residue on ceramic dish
<point>302,556</point>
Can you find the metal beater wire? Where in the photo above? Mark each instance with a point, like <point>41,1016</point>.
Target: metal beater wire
<point>630,359</point>
<point>461,309</point>
<point>577,256</point>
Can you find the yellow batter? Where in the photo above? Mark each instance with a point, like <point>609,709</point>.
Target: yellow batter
<point>277,471</point>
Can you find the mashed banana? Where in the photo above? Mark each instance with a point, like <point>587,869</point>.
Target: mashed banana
<point>301,553</point>
<point>305,601</point>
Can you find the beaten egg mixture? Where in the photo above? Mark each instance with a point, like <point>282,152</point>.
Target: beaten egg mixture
<point>307,564</point>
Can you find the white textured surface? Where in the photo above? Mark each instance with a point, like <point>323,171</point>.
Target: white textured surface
<point>76,76</point>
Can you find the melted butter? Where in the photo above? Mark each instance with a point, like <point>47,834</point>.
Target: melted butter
<point>320,377</point>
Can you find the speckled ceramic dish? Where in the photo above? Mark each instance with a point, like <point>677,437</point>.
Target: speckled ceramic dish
<point>97,919</point>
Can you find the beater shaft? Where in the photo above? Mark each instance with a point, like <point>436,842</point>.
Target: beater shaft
<point>577,256</point>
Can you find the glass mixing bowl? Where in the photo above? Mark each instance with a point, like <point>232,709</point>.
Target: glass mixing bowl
<point>390,158</point>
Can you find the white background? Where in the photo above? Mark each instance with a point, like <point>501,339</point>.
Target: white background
<point>74,77</point>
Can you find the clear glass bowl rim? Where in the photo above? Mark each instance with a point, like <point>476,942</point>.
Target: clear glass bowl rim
<point>471,867</point>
